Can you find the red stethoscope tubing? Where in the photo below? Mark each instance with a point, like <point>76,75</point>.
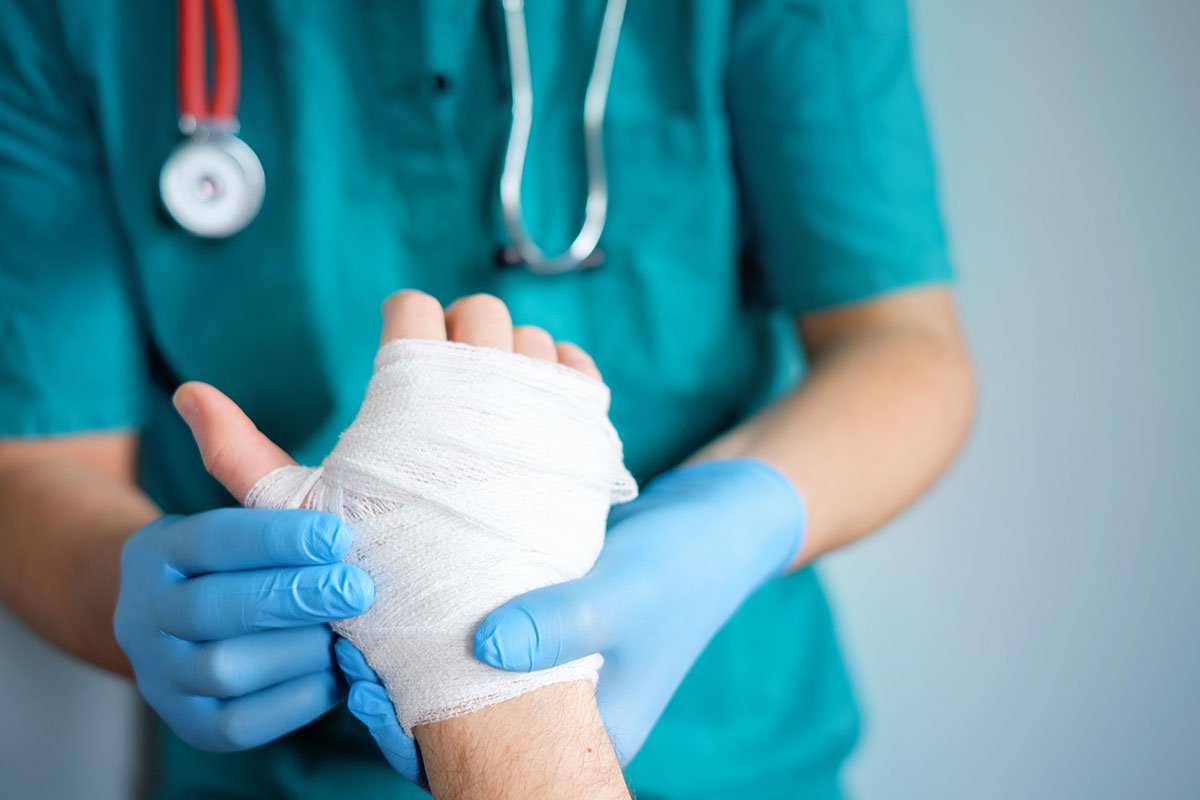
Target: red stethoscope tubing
<point>194,100</point>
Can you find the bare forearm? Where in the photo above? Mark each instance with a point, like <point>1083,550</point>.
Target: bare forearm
<point>880,416</point>
<point>64,523</point>
<point>550,743</point>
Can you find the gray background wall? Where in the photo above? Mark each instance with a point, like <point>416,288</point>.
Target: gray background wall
<point>1031,629</point>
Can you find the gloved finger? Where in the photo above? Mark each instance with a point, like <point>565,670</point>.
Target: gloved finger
<point>241,538</point>
<point>261,717</point>
<point>550,626</point>
<point>353,663</point>
<point>245,664</point>
<point>370,704</point>
<point>227,604</point>
<point>234,451</point>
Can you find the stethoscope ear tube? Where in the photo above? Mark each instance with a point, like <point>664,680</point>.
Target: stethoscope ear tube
<point>581,251</point>
<point>212,184</point>
<point>194,102</point>
<point>509,257</point>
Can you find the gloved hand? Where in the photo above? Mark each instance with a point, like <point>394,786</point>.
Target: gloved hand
<point>369,702</point>
<point>677,562</point>
<point>222,617</point>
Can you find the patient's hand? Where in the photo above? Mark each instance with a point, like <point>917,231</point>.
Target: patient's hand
<point>238,455</point>
<point>547,743</point>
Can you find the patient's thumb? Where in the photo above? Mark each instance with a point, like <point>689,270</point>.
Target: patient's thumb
<point>234,451</point>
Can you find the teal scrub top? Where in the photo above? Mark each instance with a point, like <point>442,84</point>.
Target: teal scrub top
<point>766,158</point>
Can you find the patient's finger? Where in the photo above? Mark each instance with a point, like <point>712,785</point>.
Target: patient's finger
<point>410,314</point>
<point>534,342</point>
<point>234,451</point>
<point>481,320</point>
<point>572,355</point>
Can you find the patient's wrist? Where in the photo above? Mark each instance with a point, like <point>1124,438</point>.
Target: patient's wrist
<point>549,743</point>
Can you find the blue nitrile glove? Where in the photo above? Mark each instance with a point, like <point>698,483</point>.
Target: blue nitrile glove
<point>677,562</point>
<point>369,702</point>
<point>222,616</point>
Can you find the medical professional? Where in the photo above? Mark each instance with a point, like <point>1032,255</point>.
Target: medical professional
<point>769,288</point>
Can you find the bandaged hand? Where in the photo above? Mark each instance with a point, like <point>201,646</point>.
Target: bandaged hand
<point>481,466</point>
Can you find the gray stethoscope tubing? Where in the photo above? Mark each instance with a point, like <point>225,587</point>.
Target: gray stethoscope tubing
<point>578,254</point>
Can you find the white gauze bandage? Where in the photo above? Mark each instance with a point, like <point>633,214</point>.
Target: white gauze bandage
<point>470,476</point>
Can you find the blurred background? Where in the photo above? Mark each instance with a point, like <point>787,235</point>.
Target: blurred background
<point>1032,628</point>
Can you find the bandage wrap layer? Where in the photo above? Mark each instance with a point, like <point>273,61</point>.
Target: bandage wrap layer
<point>470,476</point>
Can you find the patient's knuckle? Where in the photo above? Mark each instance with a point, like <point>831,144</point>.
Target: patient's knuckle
<point>482,306</point>
<point>411,303</point>
<point>574,352</point>
<point>532,333</point>
<point>220,459</point>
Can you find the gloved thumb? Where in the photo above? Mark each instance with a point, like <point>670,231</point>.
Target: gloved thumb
<point>369,703</point>
<point>234,451</point>
<point>548,627</point>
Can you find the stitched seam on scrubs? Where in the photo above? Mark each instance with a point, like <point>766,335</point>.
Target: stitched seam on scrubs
<point>41,420</point>
<point>874,278</point>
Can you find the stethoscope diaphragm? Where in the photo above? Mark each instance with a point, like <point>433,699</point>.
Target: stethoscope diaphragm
<point>212,184</point>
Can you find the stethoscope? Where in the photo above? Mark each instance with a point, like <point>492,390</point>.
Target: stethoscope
<point>213,183</point>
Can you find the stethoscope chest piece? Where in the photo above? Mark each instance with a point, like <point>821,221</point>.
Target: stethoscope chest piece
<point>212,184</point>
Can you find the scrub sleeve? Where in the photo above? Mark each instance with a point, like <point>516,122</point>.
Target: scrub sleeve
<point>839,204</point>
<point>70,358</point>
<point>832,153</point>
